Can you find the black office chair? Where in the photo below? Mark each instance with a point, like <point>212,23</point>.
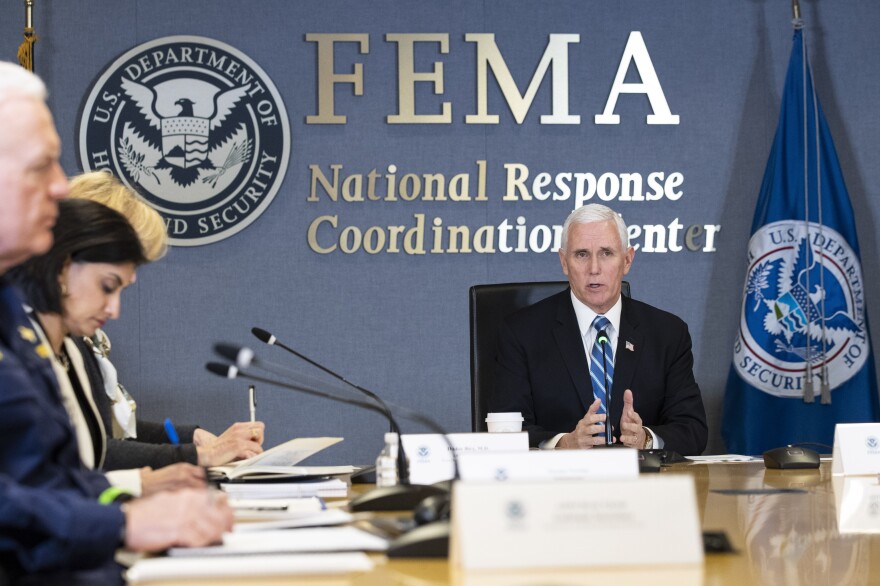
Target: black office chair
<point>489,305</point>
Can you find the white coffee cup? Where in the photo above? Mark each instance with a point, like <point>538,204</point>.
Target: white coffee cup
<point>504,422</point>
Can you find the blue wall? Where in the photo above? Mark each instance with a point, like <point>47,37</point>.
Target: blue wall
<point>398,323</point>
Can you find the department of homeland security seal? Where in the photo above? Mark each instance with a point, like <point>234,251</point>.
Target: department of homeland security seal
<point>803,303</point>
<point>196,127</point>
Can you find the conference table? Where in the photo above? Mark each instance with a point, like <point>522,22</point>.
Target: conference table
<point>782,527</point>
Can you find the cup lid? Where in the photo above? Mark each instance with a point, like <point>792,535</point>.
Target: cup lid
<point>508,416</point>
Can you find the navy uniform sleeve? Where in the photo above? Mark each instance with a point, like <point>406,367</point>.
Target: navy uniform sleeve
<point>51,529</point>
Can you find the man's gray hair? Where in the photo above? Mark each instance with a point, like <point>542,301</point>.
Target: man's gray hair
<point>595,212</point>
<point>18,82</point>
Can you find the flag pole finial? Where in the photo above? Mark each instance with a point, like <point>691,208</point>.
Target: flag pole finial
<point>796,14</point>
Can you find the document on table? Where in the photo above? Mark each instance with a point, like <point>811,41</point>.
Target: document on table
<point>290,506</point>
<point>309,540</point>
<point>167,568</point>
<point>282,461</point>
<point>723,458</point>
<point>280,521</point>
<point>280,490</point>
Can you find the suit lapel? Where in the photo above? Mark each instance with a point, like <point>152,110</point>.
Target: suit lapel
<point>571,347</point>
<point>626,359</point>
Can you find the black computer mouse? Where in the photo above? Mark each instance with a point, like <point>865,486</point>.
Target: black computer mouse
<point>434,508</point>
<point>790,458</point>
<point>649,462</point>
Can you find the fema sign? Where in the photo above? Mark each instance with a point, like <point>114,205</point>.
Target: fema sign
<point>194,126</point>
<point>803,304</point>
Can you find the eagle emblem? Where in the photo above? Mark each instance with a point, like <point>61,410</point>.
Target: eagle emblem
<point>803,309</point>
<point>186,138</point>
<point>810,310</point>
<point>196,127</point>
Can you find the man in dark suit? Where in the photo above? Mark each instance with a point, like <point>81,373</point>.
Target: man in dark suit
<point>549,366</point>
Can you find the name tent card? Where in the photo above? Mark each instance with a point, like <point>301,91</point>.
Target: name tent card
<point>576,523</point>
<point>431,461</point>
<point>857,499</point>
<point>856,449</point>
<point>550,465</point>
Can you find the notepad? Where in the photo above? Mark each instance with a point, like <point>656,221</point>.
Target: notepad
<point>309,540</point>
<point>167,568</point>
<point>331,488</point>
<point>281,461</point>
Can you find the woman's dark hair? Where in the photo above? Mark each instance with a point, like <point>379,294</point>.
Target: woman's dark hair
<point>85,232</point>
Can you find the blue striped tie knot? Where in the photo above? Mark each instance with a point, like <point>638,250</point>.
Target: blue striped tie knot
<point>597,370</point>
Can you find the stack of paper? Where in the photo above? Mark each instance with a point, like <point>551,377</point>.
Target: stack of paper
<point>309,540</point>
<point>281,521</point>
<point>148,570</point>
<point>333,488</point>
<point>295,506</point>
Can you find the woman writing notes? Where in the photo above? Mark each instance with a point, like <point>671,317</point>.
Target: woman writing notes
<point>197,446</point>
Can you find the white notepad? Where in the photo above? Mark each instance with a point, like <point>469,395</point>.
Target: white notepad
<point>166,568</point>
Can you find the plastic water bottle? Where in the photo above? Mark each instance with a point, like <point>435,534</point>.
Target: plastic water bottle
<point>386,463</point>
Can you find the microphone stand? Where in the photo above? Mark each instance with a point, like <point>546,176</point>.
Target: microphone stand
<point>430,540</point>
<point>402,464</point>
<point>386,498</point>
<point>404,496</point>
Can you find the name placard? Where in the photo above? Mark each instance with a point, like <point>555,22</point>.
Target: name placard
<point>857,499</point>
<point>575,523</point>
<point>430,459</point>
<point>856,449</point>
<point>550,465</point>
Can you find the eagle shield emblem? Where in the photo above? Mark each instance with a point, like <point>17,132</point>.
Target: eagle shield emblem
<point>803,308</point>
<point>196,127</point>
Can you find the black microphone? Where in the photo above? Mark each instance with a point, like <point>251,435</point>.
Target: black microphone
<point>402,464</point>
<point>390,498</point>
<point>602,339</point>
<point>231,371</point>
<point>243,357</point>
<point>430,540</point>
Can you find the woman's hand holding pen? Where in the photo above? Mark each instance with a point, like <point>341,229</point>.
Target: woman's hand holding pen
<point>241,441</point>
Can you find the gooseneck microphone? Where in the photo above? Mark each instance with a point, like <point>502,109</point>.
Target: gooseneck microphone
<point>602,339</point>
<point>402,464</point>
<point>233,372</point>
<point>403,496</point>
<point>430,540</point>
<point>264,336</point>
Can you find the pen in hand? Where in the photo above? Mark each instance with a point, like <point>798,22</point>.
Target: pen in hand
<point>252,393</point>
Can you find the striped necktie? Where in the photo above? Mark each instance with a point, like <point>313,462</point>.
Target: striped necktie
<point>597,371</point>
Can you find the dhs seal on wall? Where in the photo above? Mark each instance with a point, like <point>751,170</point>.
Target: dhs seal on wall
<point>804,304</point>
<point>196,127</point>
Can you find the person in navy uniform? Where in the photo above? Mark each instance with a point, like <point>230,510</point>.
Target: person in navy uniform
<point>54,524</point>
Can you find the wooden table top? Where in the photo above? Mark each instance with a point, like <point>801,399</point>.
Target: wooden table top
<point>778,538</point>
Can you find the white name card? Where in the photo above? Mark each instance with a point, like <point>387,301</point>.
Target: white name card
<point>575,523</point>
<point>856,449</point>
<point>615,464</point>
<point>431,461</point>
<point>858,504</point>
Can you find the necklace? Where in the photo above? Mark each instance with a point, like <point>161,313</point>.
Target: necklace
<point>63,360</point>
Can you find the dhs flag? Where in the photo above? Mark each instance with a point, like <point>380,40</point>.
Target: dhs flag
<point>802,360</point>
